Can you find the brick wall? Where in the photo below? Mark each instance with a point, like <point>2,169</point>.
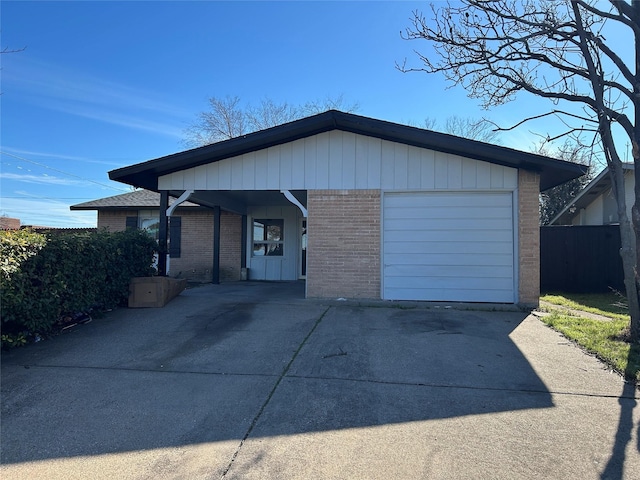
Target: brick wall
<point>343,243</point>
<point>196,251</point>
<point>528,238</point>
<point>196,247</point>
<point>230,246</point>
<point>115,221</point>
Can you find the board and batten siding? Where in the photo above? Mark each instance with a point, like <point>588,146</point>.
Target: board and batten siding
<point>343,160</point>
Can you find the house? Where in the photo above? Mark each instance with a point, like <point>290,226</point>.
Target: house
<point>362,208</point>
<point>595,204</point>
<point>8,223</point>
<point>191,257</point>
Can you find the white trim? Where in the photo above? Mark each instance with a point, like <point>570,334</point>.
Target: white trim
<point>295,201</point>
<point>182,198</point>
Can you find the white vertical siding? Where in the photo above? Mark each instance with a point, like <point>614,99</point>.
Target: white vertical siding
<point>343,160</point>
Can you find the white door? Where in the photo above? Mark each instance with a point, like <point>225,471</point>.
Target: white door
<point>273,243</point>
<point>448,246</point>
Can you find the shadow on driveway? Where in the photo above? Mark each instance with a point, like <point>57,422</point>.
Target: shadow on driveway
<point>225,362</point>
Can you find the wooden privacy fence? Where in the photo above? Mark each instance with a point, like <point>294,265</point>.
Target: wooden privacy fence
<point>580,259</point>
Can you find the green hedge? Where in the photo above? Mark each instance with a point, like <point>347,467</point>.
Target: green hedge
<point>45,277</point>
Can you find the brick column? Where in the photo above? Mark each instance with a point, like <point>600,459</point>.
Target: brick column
<point>528,238</point>
<point>343,256</point>
<point>230,246</point>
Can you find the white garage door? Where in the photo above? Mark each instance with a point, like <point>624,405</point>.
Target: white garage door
<point>448,246</point>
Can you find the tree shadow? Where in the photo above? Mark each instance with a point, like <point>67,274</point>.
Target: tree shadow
<point>615,466</point>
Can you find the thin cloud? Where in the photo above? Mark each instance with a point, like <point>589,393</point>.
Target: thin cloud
<point>47,213</point>
<point>42,179</point>
<point>72,158</point>
<point>129,121</point>
<point>77,93</point>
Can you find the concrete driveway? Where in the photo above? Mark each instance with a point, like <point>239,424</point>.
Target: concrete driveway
<point>251,381</point>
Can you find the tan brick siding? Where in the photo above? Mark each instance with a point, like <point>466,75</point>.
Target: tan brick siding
<point>230,246</point>
<point>196,251</point>
<point>528,238</point>
<point>343,243</point>
<point>196,247</point>
<point>115,221</point>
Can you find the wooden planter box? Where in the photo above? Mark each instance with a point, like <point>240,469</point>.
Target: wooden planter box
<point>154,292</point>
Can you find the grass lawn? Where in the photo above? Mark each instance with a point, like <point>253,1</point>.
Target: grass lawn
<point>603,338</point>
<point>606,304</point>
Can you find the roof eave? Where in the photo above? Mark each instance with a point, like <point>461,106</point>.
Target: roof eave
<point>553,172</point>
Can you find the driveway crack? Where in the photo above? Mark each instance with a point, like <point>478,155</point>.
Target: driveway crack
<point>272,392</point>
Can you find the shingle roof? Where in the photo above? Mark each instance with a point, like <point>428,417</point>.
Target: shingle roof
<point>135,199</point>
<point>552,172</point>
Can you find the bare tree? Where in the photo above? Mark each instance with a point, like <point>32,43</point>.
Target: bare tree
<point>553,201</point>
<point>482,130</point>
<point>228,117</point>
<point>225,119</point>
<point>556,50</point>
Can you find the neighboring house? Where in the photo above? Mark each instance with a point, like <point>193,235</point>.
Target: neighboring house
<point>363,208</point>
<point>191,255</point>
<point>595,204</point>
<point>8,223</point>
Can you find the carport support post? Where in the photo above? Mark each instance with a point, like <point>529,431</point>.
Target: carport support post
<point>243,246</point>
<point>162,234</point>
<point>216,245</point>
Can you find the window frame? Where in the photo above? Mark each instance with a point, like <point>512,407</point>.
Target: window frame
<point>264,241</point>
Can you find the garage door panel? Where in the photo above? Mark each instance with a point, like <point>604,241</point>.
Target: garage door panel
<point>434,213</point>
<point>470,224</point>
<point>459,295</point>
<point>447,199</point>
<point>447,236</point>
<point>448,246</point>
<point>485,248</point>
<point>420,261</point>
<point>455,284</point>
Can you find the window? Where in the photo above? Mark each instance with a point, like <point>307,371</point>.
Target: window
<point>149,220</point>
<point>268,238</point>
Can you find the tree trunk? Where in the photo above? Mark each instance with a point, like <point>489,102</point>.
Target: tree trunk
<point>635,151</point>
<point>630,241</point>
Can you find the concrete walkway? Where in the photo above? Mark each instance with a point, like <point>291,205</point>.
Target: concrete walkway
<point>251,381</point>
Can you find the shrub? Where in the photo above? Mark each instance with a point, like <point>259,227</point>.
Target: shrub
<point>45,277</point>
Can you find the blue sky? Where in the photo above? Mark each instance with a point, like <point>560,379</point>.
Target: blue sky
<point>101,85</point>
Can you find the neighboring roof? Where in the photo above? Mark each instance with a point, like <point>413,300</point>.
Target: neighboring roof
<point>595,188</point>
<point>8,223</point>
<point>552,172</point>
<point>58,230</point>
<point>135,199</point>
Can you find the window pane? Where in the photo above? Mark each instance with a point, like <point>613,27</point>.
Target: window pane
<point>268,229</point>
<point>267,249</point>
<point>258,230</point>
<point>151,225</point>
